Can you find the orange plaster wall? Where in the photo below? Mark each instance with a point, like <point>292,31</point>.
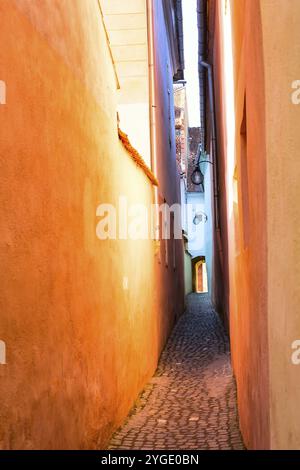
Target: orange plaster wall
<point>281,52</point>
<point>79,346</point>
<point>245,273</point>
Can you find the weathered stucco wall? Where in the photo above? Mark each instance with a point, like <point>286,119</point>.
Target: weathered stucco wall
<point>79,346</point>
<point>261,176</point>
<point>281,35</point>
<point>242,166</point>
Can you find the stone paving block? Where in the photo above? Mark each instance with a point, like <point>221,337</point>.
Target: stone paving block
<point>190,403</point>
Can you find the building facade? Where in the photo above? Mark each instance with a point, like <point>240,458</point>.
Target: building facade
<point>83,320</point>
<point>251,50</point>
<point>193,213</point>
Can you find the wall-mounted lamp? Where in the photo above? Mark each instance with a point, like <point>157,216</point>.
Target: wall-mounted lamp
<point>197,175</point>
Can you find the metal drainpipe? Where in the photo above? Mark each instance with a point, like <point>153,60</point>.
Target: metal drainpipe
<point>202,48</point>
<point>203,65</point>
<point>152,109</point>
<point>180,33</point>
<point>214,159</point>
<point>213,141</point>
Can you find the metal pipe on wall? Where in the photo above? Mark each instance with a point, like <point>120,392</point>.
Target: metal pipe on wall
<point>208,67</point>
<point>179,18</point>
<point>152,109</point>
<point>202,49</point>
<point>205,71</point>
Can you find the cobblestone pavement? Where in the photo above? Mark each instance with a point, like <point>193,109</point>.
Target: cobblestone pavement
<point>190,403</point>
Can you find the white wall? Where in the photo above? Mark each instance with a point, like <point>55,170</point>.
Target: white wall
<point>196,238</point>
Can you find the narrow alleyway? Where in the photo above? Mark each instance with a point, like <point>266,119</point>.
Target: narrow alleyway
<point>190,403</point>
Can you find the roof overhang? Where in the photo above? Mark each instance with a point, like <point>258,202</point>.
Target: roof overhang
<point>126,26</point>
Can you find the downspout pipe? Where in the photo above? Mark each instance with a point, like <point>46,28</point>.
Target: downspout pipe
<point>202,49</point>
<point>152,111</point>
<point>179,17</point>
<point>205,69</point>
<point>208,67</point>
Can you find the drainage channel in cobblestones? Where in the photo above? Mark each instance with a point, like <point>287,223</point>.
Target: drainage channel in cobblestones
<point>190,403</point>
